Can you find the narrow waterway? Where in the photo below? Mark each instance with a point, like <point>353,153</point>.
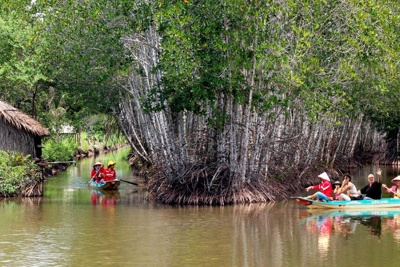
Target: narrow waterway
<point>73,225</point>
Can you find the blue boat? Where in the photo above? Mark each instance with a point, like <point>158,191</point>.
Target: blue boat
<point>106,185</point>
<point>384,203</point>
<point>385,213</point>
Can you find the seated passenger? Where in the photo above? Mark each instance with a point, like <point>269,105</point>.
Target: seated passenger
<point>110,172</point>
<point>348,191</point>
<point>373,188</point>
<point>325,188</point>
<point>337,186</point>
<point>395,189</point>
<point>97,174</point>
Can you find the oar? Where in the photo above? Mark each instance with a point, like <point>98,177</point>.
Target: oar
<point>128,182</point>
<point>95,176</point>
<point>394,193</point>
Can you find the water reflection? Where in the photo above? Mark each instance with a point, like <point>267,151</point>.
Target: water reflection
<point>73,225</point>
<point>105,198</point>
<point>393,225</point>
<point>345,223</point>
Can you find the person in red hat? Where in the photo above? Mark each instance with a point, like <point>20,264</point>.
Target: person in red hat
<point>395,189</point>
<point>325,188</point>
<point>97,174</point>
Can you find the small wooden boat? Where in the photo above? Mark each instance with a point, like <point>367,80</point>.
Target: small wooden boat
<point>383,203</point>
<point>107,185</point>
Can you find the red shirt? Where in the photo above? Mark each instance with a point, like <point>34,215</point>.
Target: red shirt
<point>100,172</point>
<point>110,174</point>
<point>325,187</point>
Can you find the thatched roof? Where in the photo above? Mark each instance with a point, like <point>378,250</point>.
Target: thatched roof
<point>20,120</point>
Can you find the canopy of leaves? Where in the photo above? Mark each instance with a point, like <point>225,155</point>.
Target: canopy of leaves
<point>326,58</point>
<point>337,58</point>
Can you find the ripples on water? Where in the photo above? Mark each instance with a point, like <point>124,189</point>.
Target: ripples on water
<point>77,226</point>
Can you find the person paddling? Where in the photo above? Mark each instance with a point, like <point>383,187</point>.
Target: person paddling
<point>373,188</point>
<point>110,172</point>
<point>325,187</point>
<point>395,189</point>
<point>97,174</point>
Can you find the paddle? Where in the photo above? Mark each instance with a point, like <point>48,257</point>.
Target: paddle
<point>394,193</point>
<point>95,175</point>
<point>128,182</point>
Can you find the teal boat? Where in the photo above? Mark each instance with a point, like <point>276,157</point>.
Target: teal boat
<point>107,185</point>
<point>384,203</point>
<point>387,213</point>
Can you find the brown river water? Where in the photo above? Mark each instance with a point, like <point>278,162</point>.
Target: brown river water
<point>73,225</point>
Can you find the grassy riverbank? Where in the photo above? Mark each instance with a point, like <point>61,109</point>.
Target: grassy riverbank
<point>69,146</point>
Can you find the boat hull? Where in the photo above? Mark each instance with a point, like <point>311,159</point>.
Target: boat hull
<point>108,185</point>
<point>385,203</point>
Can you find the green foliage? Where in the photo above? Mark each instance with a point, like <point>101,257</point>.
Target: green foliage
<point>84,52</point>
<point>328,59</point>
<point>22,62</point>
<point>325,58</point>
<point>16,171</point>
<point>63,148</point>
<point>59,151</point>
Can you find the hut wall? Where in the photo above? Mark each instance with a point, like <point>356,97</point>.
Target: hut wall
<point>12,139</point>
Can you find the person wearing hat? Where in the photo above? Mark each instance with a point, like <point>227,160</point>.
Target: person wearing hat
<point>348,191</point>
<point>337,185</point>
<point>373,188</point>
<point>97,172</point>
<point>325,188</point>
<point>395,189</point>
<point>110,172</point>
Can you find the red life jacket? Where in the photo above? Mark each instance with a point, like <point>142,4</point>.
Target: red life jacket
<point>325,187</point>
<point>110,174</point>
<point>93,175</point>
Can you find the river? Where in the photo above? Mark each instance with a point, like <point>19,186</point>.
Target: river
<point>73,225</point>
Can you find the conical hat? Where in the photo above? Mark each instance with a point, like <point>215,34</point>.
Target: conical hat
<point>324,176</point>
<point>98,163</point>
<point>396,179</point>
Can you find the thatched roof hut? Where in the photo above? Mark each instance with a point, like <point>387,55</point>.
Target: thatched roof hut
<point>20,132</point>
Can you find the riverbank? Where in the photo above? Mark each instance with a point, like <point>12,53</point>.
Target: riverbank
<point>52,168</point>
<point>97,150</point>
<point>209,185</point>
<point>19,175</point>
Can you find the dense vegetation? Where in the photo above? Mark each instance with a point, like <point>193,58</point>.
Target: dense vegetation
<point>29,80</point>
<point>64,148</point>
<point>229,101</point>
<point>18,175</point>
